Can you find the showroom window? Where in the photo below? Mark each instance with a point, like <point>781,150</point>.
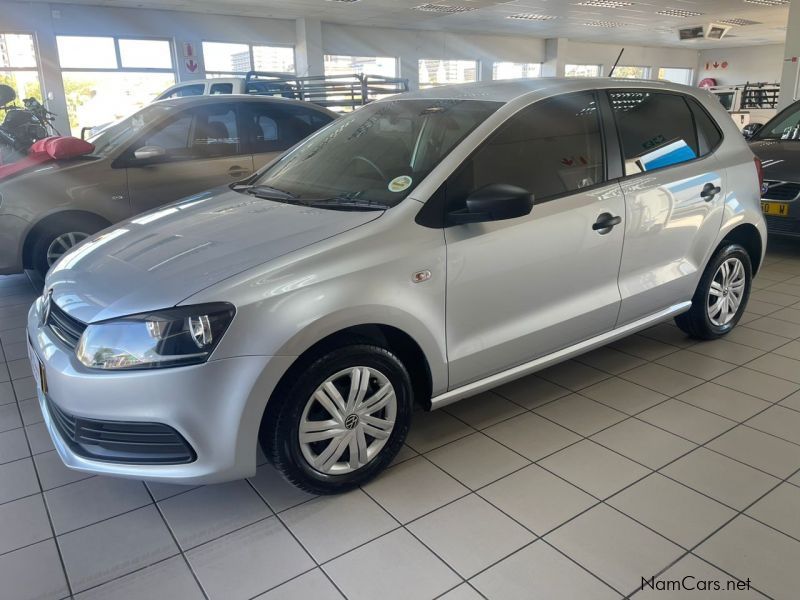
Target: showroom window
<point>18,65</point>
<point>628,72</point>
<point>583,70</point>
<point>513,70</point>
<point>224,58</point>
<point>656,130</point>
<point>107,78</point>
<point>551,148</point>
<point>338,64</point>
<point>434,72</point>
<point>684,76</point>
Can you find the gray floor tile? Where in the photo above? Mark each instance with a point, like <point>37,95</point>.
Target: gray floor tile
<point>249,561</point>
<point>698,365</point>
<point>470,534</point>
<point>769,558</point>
<point>777,366</point>
<point>531,435</point>
<point>23,522</point>
<point>476,460</point>
<point>162,491</point>
<point>537,498</point>
<point>760,450</point>
<point>610,360</point>
<point>94,499</point>
<point>757,384</point>
<point>780,327</point>
<point>723,479</point>
<point>644,347</point>
<point>643,443</point>
<point>170,579</point>
<point>6,389</point>
<point>625,396</point>
<point>31,413</point>
<point>780,509</point>
<point>580,414</point>
<point>723,401</point>
<point>24,388</point>
<point>279,493</point>
<point>13,445</point>
<point>109,549</point>
<point>662,379</point>
<point>39,438</point>
<point>211,511</point>
<point>33,573</point>
<point>614,547</point>
<point>780,421</point>
<point>332,525</point>
<point>594,469</point>
<point>728,351</point>
<point>20,369</point>
<point>312,585</point>
<point>402,569</point>
<point>413,488</point>
<point>760,340</point>
<point>539,571</point>
<point>790,350</point>
<point>531,391</point>
<point>686,420</point>
<point>430,430</point>
<point>672,509</point>
<point>484,410</point>
<point>9,417</point>
<point>53,473</point>
<point>573,375</point>
<point>462,592</point>
<point>669,333</point>
<point>17,479</point>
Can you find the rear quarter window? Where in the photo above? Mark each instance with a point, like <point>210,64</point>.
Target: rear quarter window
<point>709,136</point>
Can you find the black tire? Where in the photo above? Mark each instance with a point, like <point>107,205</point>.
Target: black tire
<point>57,226</point>
<point>279,435</point>
<point>696,322</point>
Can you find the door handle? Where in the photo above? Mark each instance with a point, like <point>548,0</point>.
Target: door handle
<point>237,171</point>
<point>605,223</point>
<point>710,191</point>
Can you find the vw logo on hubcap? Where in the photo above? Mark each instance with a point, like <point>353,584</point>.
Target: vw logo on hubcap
<point>351,421</point>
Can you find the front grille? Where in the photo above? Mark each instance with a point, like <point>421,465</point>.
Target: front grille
<point>121,441</point>
<point>782,225</point>
<point>782,190</point>
<point>66,328</point>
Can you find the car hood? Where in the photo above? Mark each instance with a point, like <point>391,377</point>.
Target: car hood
<point>157,259</point>
<point>780,158</point>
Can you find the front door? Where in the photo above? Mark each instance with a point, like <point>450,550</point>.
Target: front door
<point>674,192</point>
<point>201,150</point>
<point>526,287</point>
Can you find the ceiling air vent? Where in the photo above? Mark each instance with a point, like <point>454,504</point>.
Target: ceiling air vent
<point>531,17</point>
<point>691,33</point>
<point>739,22</point>
<point>446,9</point>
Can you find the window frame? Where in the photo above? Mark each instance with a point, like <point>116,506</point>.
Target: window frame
<point>622,176</point>
<point>513,62</point>
<point>250,45</point>
<point>248,142</point>
<point>428,86</point>
<point>36,55</point>
<point>119,68</point>
<point>648,71</point>
<point>598,65</point>
<point>394,58</point>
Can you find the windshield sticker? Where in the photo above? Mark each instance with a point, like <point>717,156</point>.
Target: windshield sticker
<point>400,184</point>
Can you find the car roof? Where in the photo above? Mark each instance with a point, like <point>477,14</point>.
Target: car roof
<point>511,89</point>
<point>220,98</point>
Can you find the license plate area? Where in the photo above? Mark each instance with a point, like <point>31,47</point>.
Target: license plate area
<point>775,209</point>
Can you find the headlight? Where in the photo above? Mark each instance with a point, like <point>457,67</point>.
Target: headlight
<point>174,337</point>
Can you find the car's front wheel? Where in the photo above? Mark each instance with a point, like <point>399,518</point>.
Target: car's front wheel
<point>341,421</point>
<point>57,237</point>
<point>721,296</point>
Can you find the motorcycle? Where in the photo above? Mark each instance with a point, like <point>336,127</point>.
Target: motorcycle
<point>22,126</point>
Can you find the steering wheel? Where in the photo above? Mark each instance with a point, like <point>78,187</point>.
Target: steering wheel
<point>375,167</point>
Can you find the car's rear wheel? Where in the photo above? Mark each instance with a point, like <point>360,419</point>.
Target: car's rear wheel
<point>57,237</point>
<point>341,421</point>
<point>721,296</point>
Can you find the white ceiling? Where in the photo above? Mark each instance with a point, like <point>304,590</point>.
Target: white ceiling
<point>638,23</point>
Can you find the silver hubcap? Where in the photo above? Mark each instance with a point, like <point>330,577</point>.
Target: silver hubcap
<point>726,293</point>
<point>59,246</point>
<point>347,420</point>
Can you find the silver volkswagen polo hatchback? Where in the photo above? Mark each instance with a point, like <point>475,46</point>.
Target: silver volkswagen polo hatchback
<point>420,250</point>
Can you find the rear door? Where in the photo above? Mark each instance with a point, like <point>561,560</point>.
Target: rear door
<point>674,194</point>
<point>270,128</point>
<point>202,149</point>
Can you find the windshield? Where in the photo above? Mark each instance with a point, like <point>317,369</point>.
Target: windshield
<point>113,136</point>
<point>785,126</point>
<point>377,154</point>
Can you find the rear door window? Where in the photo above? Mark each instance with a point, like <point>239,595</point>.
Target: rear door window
<point>273,127</point>
<point>656,129</point>
<point>196,89</point>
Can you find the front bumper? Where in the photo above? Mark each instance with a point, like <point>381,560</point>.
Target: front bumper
<point>216,407</point>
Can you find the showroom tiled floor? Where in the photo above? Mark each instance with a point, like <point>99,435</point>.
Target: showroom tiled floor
<point>653,456</point>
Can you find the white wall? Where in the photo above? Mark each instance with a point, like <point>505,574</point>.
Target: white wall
<point>754,64</point>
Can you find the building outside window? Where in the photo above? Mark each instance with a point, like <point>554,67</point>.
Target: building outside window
<point>338,64</point>
<point>628,72</point>
<point>583,70</point>
<point>513,70</point>
<point>683,76</point>
<point>18,65</point>
<point>433,72</point>
<point>223,59</point>
<point>108,78</point>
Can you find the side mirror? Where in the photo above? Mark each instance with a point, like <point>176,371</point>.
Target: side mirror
<point>495,202</point>
<point>749,131</point>
<point>149,153</point>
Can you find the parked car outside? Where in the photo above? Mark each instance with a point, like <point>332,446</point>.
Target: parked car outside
<point>419,250</point>
<point>163,152</point>
<point>777,144</point>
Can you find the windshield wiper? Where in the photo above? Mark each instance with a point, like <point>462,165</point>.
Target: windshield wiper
<point>270,193</point>
<point>346,203</point>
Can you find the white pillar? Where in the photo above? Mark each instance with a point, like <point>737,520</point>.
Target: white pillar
<point>790,78</point>
<point>308,48</point>
<point>554,51</point>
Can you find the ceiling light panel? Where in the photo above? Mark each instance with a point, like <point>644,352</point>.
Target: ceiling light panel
<point>768,2</point>
<point>607,24</point>
<point>679,12</point>
<point>448,9</point>
<point>604,3</point>
<point>531,17</point>
<point>739,22</point>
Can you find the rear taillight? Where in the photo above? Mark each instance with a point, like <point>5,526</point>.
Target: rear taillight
<point>760,171</point>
